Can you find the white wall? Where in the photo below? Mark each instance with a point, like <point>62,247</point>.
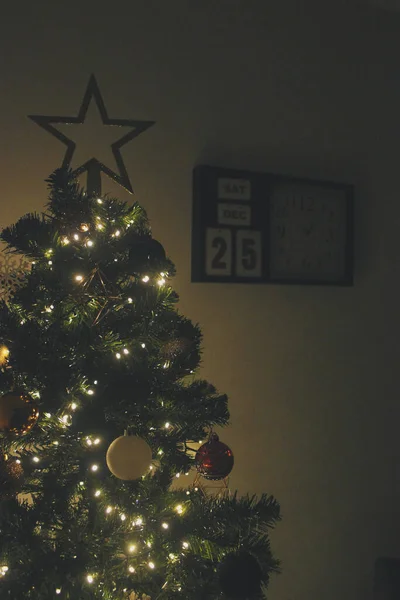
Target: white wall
<point>302,88</point>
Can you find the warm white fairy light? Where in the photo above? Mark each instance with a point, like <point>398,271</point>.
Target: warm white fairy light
<point>139,521</point>
<point>146,278</point>
<point>130,300</point>
<point>94,468</point>
<point>48,415</point>
<point>90,392</point>
<point>65,240</point>
<point>97,493</point>
<point>125,351</point>
<point>161,281</point>
<point>50,262</point>
<point>99,226</point>
<point>95,382</point>
<point>167,425</point>
<point>74,406</point>
<point>143,345</point>
<point>185,545</point>
<point>179,509</point>
<point>84,227</point>
<point>56,442</point>
<point>76,236</point>
<point>99,201</point>
<point>36,459</point>
<point>89,441</point>
<point>172,556</point>
<point>109,510</point>
<point>152,565</point>
<point>97,441</point>
<point>122,517</point>
<point>118,355</point>
<point>65,419</point>
<point>58,590</point>
<point>18,461</point>
<point>89,243</point>
<point>149,544</point>
<point>78,277</point>
<point>160,452</point>
<point>117,233</point>
<point>89,578</point>
<point>164,525</point>
<point>187,492</point>
<point>3,570</point>
<point>177,475</point>
<point>132,548</point>
<point>131,569</point>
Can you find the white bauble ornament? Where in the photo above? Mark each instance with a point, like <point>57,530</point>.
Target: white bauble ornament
<point>129,457</point>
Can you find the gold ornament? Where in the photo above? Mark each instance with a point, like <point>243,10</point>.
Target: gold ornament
<point>4,354</point>
<point>18,413</point>
<point>129,457</point>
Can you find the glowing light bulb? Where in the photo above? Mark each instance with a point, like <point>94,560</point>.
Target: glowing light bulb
<point>89,243</point>
<point>84,227</point>
<point>164,525</point>
<point>179,509</point>
<point>131,569</point>
<point>109,509</point>
<point>187,493</point>
<point>89,441</point>
<point>90,392</point>
<point>76,236</point>
<point>118,355</point>
<point>152,565</point>
<point>74,406</point>
<point>122,517</point>
<point>36,459</point>
<point>99,226</point>
<point>132,548</point>
<point>97,441</point>
<point>90,578</point>
<point>148,544</point>
<point>143,345</point>
<point>125,351</point>
<point>97,493</point>
<point>94,468</point>
<point>50,262</point>
<point>167,425</point>
<point>161,281</point>
<point>139,521</point>
<point>117,233</point>
<point>146,278</point>
<point>58,590</point>
<point>99,201</point>
<point>78,277</point>
<point>65,241</point>
<point>185,545</point>
<point>171,556</point>
<point>177,475</point>
<point>130,300</point>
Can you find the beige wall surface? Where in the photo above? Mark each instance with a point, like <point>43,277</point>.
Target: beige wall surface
<point>302,88</point>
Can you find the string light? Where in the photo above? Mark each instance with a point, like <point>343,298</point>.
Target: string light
<point>118,355</point>
<point>130,300</point>
<point>139,521</point>
<point>76,236</point>
<point>185,545</point>
<point>152,565</point>
<point>117,233</point>
<point>84,227</point>
<point>89,243</point>
<point>164,525</point>
<point>90,392</point>
<point>50,262</point>
<point>132,548</point>
<point>109,510</point>
<point>94,468</point>
<point>65,241</point>
<point>74,406</point>
<point>125,351</point>
<point>97,493</point>
<point>3,570</point>
<point>179,509</point>
<point>122,517</point>
<point>143,345</point>
<point>78,277</point>
<point>90,578</point>
<point>58,591</point>
<point>131,569</point>
<point>36,459</point>
<point>99,226</point>
<point>146,278</point>
<point>161,281</point>
<point>97,441</point>
<point>167,425</point>
<point>99,201</point>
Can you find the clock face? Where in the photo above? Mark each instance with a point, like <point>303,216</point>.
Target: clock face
<point>308,233</point>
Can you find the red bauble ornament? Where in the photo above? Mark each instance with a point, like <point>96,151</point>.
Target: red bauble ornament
<point>214,459</point>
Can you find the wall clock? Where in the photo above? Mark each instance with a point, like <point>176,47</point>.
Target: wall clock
<point>263,228</point>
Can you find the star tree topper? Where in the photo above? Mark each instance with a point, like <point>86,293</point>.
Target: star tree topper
<point>94,167</point>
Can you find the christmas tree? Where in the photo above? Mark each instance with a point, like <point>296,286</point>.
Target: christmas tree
<point>99,403</point>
